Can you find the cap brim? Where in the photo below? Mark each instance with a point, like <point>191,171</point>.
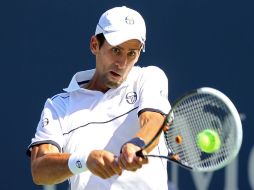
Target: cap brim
<point>118,37</point>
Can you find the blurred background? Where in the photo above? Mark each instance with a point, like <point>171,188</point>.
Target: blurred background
<point>196,42</point>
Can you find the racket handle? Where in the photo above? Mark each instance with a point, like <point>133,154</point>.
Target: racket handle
<point>140,154</point>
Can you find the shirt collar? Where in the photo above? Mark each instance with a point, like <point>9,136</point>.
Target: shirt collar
<point>82,76</point>
<point>78,78</point>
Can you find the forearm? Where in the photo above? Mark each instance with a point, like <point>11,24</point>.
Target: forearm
<point>150,124</point>
<point>51,168</point>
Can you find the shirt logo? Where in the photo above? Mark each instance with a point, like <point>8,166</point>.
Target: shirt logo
<point>129,20</point>
<point>131,97</point>
<point>45,122</point>
<point>164,94</point>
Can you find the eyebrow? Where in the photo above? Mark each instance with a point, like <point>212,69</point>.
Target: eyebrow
<point>132,49</point>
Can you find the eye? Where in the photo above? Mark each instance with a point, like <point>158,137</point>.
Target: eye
<point>116,50</point>
<point>132,53</point>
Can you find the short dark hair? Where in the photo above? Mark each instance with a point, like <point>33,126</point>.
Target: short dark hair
<point>101,39</point>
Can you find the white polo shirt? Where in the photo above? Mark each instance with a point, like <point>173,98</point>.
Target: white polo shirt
<point>82,120</point>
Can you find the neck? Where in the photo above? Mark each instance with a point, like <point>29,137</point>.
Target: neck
<point>91,86</point>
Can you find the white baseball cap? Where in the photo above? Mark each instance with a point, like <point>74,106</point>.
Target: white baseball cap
<point>121,24</point>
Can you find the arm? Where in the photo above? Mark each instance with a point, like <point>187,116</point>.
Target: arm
<point>49,166</point>
<point>150,122</point>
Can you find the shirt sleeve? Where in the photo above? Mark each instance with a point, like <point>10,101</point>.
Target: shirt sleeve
<point>154,91</point>
<point>49,129</point>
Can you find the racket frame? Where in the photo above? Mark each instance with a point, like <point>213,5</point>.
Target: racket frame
<point>169,119</point>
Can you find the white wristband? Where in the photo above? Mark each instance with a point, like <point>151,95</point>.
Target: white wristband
<point>77,163</point>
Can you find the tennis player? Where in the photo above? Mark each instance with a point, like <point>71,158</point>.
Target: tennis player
<point>89,133</point>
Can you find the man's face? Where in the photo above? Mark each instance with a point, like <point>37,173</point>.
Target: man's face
<point>113,63</point>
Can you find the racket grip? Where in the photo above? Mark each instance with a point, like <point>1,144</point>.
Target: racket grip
<point>140,153</point>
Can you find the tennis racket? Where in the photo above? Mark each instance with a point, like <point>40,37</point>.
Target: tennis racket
<point>196,111</point>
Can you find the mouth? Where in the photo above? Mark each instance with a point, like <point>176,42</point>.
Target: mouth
<point>115,74</point>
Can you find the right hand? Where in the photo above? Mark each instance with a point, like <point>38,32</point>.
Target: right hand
<point>128,158</point>
<point>103,163</point>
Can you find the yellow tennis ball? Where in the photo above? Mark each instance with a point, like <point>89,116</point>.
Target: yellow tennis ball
<point>208,141</point>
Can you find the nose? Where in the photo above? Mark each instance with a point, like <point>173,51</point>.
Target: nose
<point>121,61</point>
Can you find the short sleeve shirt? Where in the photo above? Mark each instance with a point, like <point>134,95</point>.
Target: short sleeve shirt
<point>82,120</point>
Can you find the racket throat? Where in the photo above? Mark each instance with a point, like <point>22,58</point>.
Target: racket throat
<point>172,158</point>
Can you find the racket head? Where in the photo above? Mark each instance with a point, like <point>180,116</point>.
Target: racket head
<point>198,110</point>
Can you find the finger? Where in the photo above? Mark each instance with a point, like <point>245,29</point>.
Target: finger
<point>130,166</point>
<point>100,173</point>
<point>142,156</point>
<point>122,162</point>
<point>138,162</point>
<point>111,166</point>
<point>116,166</point>
<point>103,170</point>
<point>109,172</point>
<point>126,166</point>
<point>143,160</point>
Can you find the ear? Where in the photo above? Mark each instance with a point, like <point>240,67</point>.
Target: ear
<point>94,45</point>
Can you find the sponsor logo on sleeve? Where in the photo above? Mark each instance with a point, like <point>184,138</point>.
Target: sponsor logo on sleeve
<point>45,122</point>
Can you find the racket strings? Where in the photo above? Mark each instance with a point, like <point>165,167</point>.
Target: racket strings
<point>193,115</point>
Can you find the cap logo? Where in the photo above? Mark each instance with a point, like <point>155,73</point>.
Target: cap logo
<point>129,20</point>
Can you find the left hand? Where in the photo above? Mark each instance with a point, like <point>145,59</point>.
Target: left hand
<point>128,159</point>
